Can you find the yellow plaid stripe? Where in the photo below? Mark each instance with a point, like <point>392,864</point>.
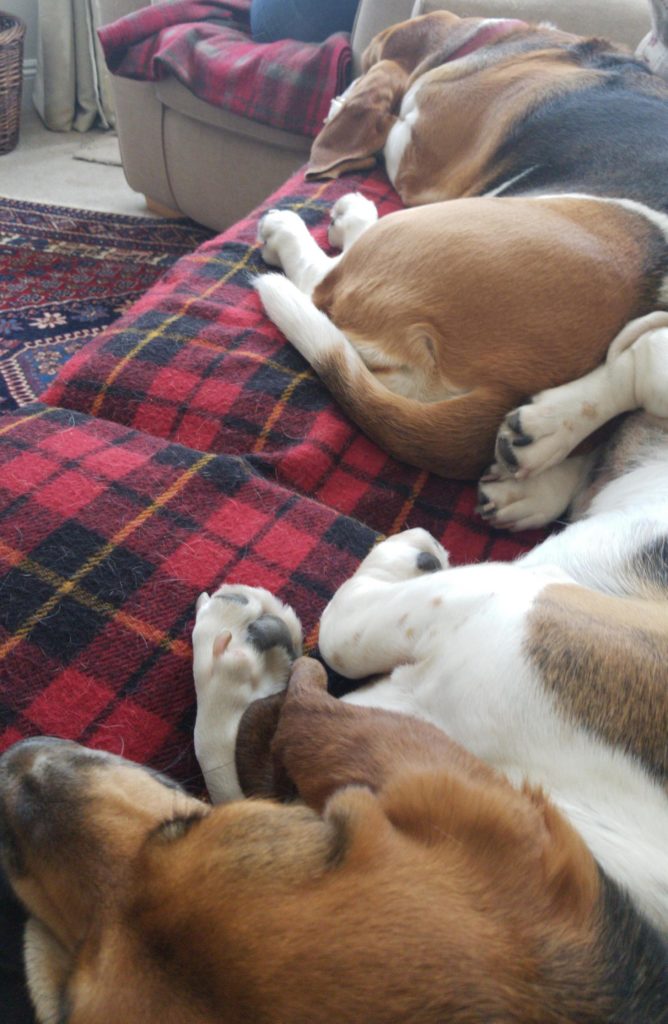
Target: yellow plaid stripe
<point>407,507</point>
<point>278,408</point>
<point>7,429</point>
<point>70,587</point>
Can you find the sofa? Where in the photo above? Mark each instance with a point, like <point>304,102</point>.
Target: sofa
<point>186,446</point>
<point>189,157</point>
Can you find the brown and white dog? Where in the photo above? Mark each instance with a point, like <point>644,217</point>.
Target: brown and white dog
<point>436,321</point>
<point>522,880</point>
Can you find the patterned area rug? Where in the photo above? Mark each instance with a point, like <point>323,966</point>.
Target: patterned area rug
<point>66,274</point>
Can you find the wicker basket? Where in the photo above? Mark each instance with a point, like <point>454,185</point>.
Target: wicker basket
<point>12,31</point>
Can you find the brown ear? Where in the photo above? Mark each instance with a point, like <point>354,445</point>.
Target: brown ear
<point>258,771</point>
<point>351,139</point>
<point>409,42</point>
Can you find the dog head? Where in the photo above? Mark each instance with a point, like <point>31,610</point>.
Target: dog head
<point>360,119</point>
<point>435,875</point>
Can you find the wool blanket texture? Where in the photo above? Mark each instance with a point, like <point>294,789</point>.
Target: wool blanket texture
<point>206,44</point>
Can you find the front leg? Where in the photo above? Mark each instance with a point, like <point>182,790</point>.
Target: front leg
<point>289,245</point>
<point>634,375</point>
<point>534,501</point>
<point>351,216</point>
<point>244,643</point>
<point>364,630</point>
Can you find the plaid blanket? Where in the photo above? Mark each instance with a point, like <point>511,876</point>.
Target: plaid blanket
<point>205,44</point>
<point>187,445</point>
<point>107,536</point>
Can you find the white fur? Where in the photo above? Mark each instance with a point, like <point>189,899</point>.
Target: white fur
<point>450,647</point>
<point>634,375</point>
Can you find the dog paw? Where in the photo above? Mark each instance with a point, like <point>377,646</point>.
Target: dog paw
<point>244,643</point>
<point>276,229</point>
<point>534,437</point>
<point>350,216</point>
<point>406,555</point>
<point>527,504</point>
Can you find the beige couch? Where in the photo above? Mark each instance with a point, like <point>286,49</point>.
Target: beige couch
<point>190,157</point>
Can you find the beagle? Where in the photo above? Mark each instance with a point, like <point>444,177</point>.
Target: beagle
<point>541,156</point>
<point>552,671</point>
<point>412,883</point>
<point>514,870</point>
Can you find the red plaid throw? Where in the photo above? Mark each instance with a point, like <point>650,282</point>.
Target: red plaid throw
<point>107,536</point>
<point>196,361</point>
<point>192,446</point>
<point>286,84</point>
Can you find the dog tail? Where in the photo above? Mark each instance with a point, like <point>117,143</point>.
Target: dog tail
<point>453,438</point>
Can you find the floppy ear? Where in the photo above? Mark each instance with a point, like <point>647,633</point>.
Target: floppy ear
<point>351,139</point>
<point>409,42</point>
<point>259,772</point>
<point>326,744</point>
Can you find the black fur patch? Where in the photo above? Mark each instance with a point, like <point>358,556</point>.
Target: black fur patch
<point>650,563</point>
<point>636,961</point>
<point>609,139</point>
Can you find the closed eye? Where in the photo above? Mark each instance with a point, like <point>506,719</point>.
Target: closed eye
<point>175,828</point>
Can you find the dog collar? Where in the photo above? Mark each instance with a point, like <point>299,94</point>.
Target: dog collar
<point>486,34</point>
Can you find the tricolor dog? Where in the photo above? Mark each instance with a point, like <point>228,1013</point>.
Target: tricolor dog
<point>437,320</point>
<point>482,830</point>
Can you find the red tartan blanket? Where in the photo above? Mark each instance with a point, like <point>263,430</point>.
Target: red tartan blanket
<point>187,446</point>
<point>205,44</point>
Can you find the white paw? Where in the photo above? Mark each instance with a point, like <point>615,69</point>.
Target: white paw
<point>405,556</point>
<point>538,435</point>
<point>244,643</point>
<point>530,503</point>
<point>275,230</point>
<point>350,216</point>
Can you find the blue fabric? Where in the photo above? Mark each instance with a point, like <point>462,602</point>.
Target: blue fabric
<point>310,21</point>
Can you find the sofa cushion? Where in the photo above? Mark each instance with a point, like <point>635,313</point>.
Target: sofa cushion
<point>107,536</point>
<point>195,361</point>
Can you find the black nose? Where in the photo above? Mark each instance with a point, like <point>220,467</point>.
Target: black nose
<point>21,757</point>
<point>40,789</point>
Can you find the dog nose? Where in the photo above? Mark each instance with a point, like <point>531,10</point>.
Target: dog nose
<point>39,780</point>
<point>36,759</point>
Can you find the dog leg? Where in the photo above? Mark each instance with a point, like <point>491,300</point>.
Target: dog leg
<point>527,504</point>
<point>634,375</point>
<point>351,216</point>
<point>289,245</point>
<point>244,643</point>
<point>363,629</point>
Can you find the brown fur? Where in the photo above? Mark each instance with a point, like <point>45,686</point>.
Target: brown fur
<point>412,862</point>
<point>458,343</point>
<point>463,310</point>
<point>605,660</point>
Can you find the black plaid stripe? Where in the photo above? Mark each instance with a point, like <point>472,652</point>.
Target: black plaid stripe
<point>95,641</point>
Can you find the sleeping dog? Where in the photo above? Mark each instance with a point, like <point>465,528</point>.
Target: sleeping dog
<point>552,670</point>
<point>412,883</point>
<point>516,872</point>
<point>436,321</point>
